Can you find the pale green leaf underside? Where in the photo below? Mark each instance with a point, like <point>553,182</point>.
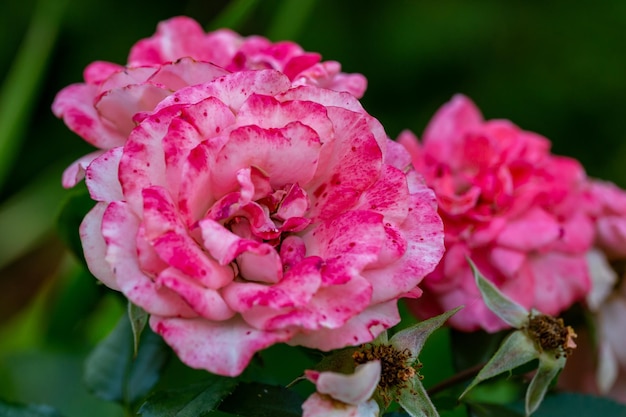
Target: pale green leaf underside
<point>505,308</point>
<point>517,349</point>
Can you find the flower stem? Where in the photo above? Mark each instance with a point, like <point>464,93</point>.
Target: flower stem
<point>462,376</point>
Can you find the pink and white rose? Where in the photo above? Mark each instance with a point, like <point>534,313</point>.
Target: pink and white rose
<point>102,109</point>
<point>508,204</point>
<point>246,211</point>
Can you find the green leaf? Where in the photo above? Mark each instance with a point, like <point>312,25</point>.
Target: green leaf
<point>414,337</point>
<point>516,350</point>
<point>76,205</point>
<point>22,410</point>
<point>261,400</point>
<point>549,367</point>
<point>568,404</point>
<point>415,400</point>
<point>112,374</point>
<point>505,308</point>
<point>138,320</point>
<point>197,400</point>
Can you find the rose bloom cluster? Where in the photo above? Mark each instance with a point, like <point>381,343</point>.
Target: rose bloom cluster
<point>180,54</point>
<point>509,205</point>
<point>243,206</point>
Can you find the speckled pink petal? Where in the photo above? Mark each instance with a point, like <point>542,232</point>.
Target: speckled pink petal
<point>195,193</point>
<point>207,302</point>
<point>101,177</point>
<point>143,162</point>
<point>388,196</point>
<point>98,71</point>
<point>352,163</point>
<point>268,112</point>
<point>327,98</point>
<point>175,38</point>
<point>74,104</point>
<point>184,72</point>
<point>296,289</point>
<point>118,106</point>
<point>175,246</point>
<point>348,243</point>
<point>330,308</point>
<point>117,224</point>
<point>362,328</point>
<point>328,75</point>
<point>232,89</point>
<point>127,77</point>
<point>261,265</point>
<point>180,139</point>
<point>159,213</point>
<point>223,348</point>
<point>222,244</point>
<point>148,259</point>
<point>94,246</point>
<point>292,251</point>
<point>287,155</point>
<point>397,155</point>
<point>295,204</point>
<point>183,253</point>
<point>76,171</point>
<point>419,246</point>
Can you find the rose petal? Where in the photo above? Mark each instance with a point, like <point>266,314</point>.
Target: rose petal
<point>101,176</point>
<point>223,348</point>
<point>353,388</point>
<point>118,223</point>
<point>207,302</point>
<point>94,246</point>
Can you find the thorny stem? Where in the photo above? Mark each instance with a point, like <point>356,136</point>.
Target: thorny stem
<point>464,375</point>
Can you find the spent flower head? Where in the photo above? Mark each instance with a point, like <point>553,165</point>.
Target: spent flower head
<point>538,336</point>
<point>384,371</point>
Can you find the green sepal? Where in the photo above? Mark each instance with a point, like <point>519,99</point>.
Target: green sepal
<point>414,337</point>
<point>415,400</point>
<point>549,367</point>
<point>138,319</point>
<point>505,308</point>
<point>516,350</point>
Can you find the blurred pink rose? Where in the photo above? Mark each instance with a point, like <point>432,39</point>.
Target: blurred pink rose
<point>600,368</point>
<point>512,207</point>
<point>102,109</point>
<point>245,211</point>
<point>340,395</point>
<point>607,206</point>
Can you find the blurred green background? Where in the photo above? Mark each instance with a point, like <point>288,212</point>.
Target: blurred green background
<point>557,68</point>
